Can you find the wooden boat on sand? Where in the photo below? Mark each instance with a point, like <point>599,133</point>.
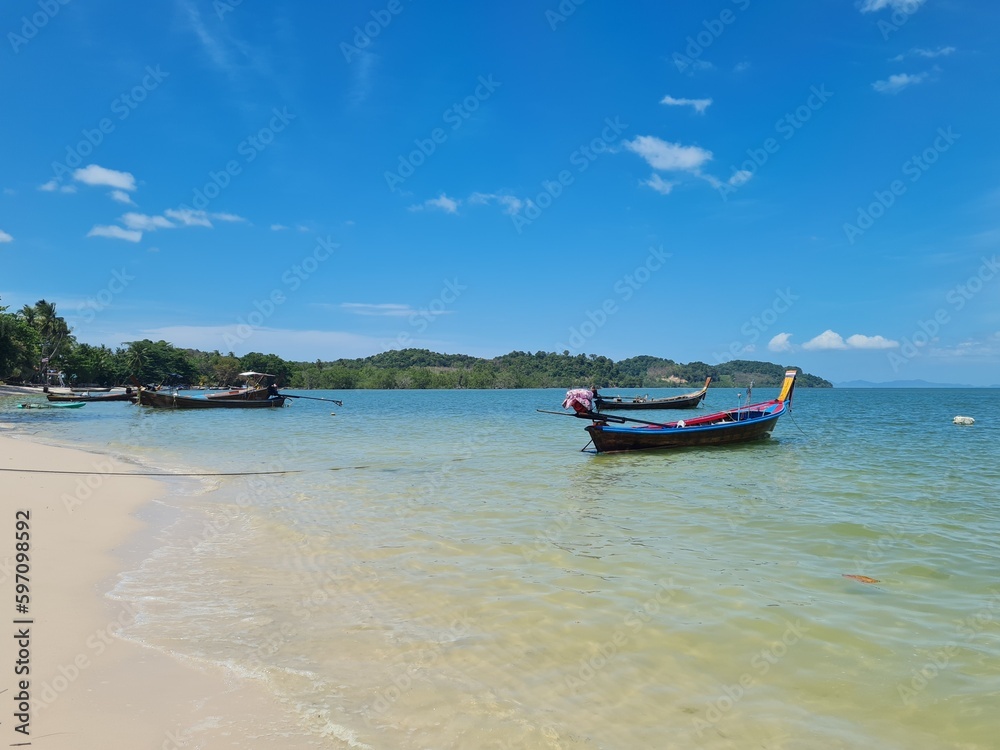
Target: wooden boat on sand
<point>611,433</point>
<point>631,403</point>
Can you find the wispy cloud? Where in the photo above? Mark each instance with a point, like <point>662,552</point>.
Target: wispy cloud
<point>4,237</point>
<point>216,50</point>
<point>189,217</point>
<point>142,222</point>
<point>442,202</point>
<point>53,186</point>
<point>96,175</point>
<point>511,203</point>
<point>122,197</point>
<point>905,6</point>
<point>699,105</point>
<point>920,52</point>
<point>860,341</point>
<point>115,232</point>
<point>663,187</point>
<point>278,227</point>
<point>387,310</point>
<point>896,83</point>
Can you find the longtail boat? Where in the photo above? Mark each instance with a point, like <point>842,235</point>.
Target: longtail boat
<point>160,400</point>
<point>611,433</point>
<point>32,405</point>
<point>630,403</point>
<point>256,388</point>
<point>126,395</point>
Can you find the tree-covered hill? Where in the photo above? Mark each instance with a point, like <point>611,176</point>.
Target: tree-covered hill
<point>35,340</point>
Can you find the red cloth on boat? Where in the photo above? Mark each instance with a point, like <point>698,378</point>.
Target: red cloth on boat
<point>579,399</point>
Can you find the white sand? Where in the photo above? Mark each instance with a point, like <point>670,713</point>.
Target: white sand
<point>89,688</point>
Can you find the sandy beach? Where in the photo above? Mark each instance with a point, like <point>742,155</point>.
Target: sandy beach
<point>84,687</point>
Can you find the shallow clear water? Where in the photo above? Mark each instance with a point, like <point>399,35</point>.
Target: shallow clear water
<point>447,569</point>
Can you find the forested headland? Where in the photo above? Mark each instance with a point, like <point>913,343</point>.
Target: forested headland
<point>35,339</point>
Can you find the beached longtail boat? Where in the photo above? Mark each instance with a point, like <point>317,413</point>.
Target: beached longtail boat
<point>611,433</point>
<point>631,403</point>
<point>159,400</point>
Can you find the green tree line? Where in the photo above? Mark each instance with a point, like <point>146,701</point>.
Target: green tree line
<point>35,339</point>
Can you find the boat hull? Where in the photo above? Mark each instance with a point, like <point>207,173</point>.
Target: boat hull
<point>638,403</point>
<point>241,394</point>
<point>683,402</point>
<point>176,401</point>
<point>609,438</point>
<point>61,397</point>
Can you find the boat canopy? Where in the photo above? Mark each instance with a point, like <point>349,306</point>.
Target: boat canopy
<point>252,374</point>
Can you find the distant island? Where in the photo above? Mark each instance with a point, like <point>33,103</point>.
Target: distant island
<point>904,384</point>
<point>36,344</point>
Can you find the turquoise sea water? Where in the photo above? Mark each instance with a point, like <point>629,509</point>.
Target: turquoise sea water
<point>448,570</point>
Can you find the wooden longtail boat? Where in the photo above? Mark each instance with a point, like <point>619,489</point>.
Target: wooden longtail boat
<point>610,433</point>
<point>73,405</point>
<point>256,388</point>
<point>122,396</point>
<point>630,403</point>
<point>176,401</point>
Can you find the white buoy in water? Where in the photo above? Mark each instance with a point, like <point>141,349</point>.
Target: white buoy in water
<point>964,420</point>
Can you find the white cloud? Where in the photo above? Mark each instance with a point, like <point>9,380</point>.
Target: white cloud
<point>53,185</point>
<point>699,105</point>
<point>832,340</point>
<point>896,83</point>
<point>95,175</point>
<point>668,157</point>
<point>4,237</point>
<point>741,67</point>
<point>387,309</point>
<point>780,343</point>
<point>146,223</point>
<point>905,6</point>
<point>117,233</point>
<point>826,340</point>
<point>189,217</point>
<point>511,204</point>
<point>231,218</point>
<point>663,187</point>
<point>859,341</point>
<point>920,52</point>
<point>742,177</point>
<point>446,204</point>
<point>278,227</point>
<point>122,197</point>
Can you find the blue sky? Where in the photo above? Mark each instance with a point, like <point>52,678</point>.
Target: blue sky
<point>811,184</point>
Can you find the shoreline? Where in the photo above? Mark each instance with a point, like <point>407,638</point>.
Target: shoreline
<point>87,687</point>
